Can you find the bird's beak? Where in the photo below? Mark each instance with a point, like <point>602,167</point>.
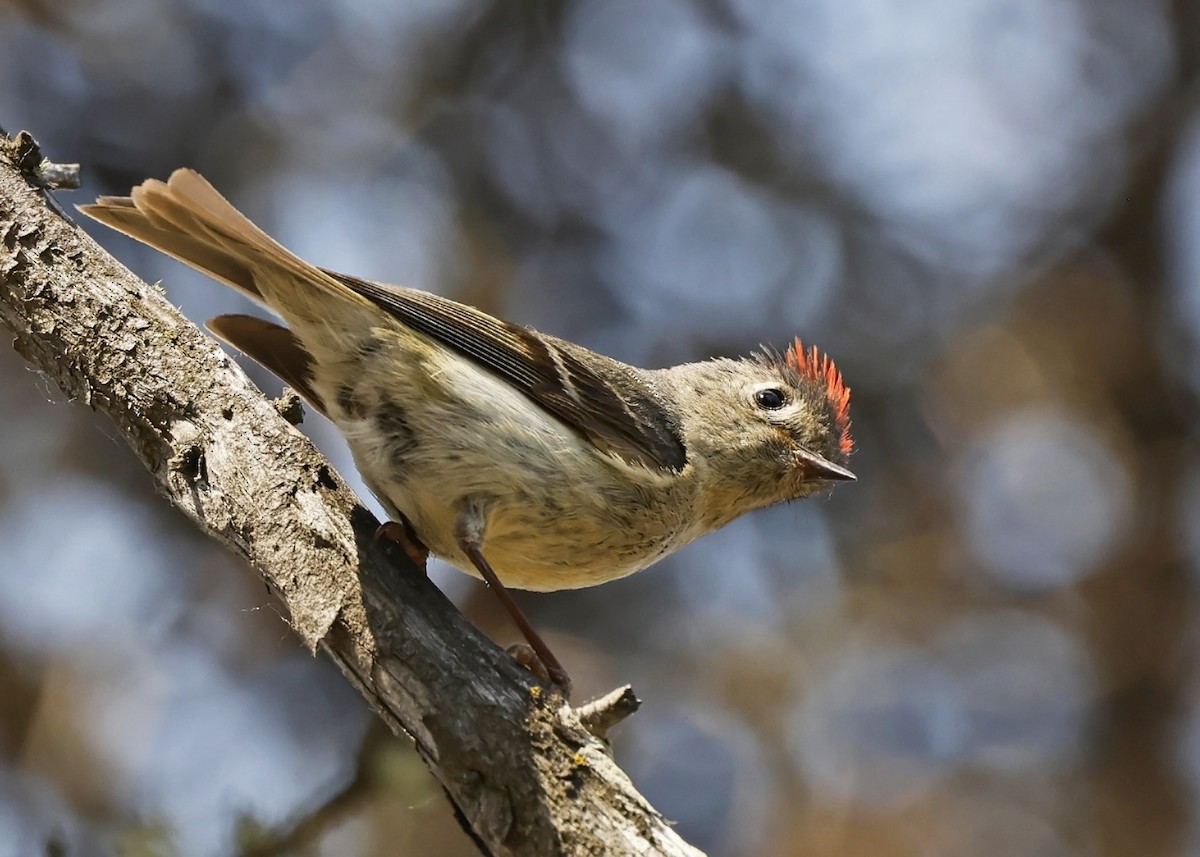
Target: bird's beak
<point>818,469</point>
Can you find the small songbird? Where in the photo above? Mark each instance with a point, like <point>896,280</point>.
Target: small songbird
<point>519,457</point>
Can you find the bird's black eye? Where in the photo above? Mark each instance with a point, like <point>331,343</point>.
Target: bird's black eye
<point>770,398</point>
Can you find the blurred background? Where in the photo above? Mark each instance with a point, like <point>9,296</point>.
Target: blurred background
<point>987,211</point>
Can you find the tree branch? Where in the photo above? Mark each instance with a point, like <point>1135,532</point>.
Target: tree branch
<point>513,756</point>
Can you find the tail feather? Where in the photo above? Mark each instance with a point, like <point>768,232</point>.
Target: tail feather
<point>195,252</point>
<point>138,217</point>
<point>187,203</point>
<point>186,218</point>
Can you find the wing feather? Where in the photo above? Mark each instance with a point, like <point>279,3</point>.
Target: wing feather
<point>272,346</point>
<point>613,405</point>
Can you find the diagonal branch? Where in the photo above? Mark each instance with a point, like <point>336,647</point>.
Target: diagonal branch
<point>513,757</point>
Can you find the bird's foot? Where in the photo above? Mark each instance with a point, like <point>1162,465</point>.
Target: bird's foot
<point>548,674</point>
<point>401,533</point>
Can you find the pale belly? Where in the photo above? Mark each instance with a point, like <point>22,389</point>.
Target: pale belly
<point>557,513</point>
<point>543,530</point>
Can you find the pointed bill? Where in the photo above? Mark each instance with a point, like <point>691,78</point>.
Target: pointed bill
<point>818,469</point>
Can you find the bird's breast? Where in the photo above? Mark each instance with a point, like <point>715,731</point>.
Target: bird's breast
<point>559,513</point>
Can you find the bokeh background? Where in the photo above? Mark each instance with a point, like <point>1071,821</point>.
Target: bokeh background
<point>988,211</point>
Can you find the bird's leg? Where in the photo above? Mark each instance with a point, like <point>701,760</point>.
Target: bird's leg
<point>401,532</point>
<point>554,669</point>
<point>472,521</point>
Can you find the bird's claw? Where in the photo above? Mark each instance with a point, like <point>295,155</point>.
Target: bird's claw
<point>401,533</point>
<point>525,656</point>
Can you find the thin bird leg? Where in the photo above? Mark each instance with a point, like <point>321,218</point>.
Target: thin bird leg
<point>557,674</point>
<point>401,532</point>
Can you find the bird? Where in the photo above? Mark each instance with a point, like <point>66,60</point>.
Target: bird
<point>521,458</point>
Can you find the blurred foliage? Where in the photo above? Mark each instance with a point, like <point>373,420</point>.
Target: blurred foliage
<point>986,210</point>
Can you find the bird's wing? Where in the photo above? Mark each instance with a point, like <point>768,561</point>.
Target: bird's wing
<point>614,406</point>
<point>272,346</point>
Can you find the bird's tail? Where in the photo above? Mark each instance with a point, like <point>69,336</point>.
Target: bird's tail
<point>185,217</point>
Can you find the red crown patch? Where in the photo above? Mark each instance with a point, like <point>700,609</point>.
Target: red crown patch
<point>817,367</point>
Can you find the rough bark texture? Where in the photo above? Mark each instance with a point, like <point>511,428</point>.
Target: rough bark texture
<point>513,757</point>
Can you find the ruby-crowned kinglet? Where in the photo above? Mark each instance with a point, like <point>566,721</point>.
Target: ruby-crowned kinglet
<point>519,457</point>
